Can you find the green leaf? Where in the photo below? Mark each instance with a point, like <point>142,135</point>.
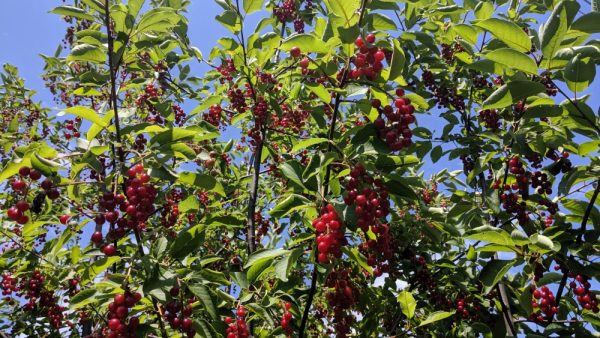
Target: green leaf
<point>83,298</point>
<point>542,242</point>
<point>397,65</point>
<point>202,292</point>
<point>264,255</point>
<point>87,114</point>
<point>513,59</point>
<point>187,241</point>
<point>157,20</point>
<point>553,31</point>
<point>172,135</point>
<point>306,42</point>
<point>494,236</point>
<point>484,10</point>
<point>47,167</point>
<point>588,23</point>
<point>493,272</point>
<point>230,20</point>
<point>307,143</point>
<point>435,316</point>
<point>292,170</point>
<point>320,91</point>
<point>74,12</point>
<point>579,73</point>
<point>251,6</point>
<point>87,53</point>
<point>466,32</point>
<point>380,22</point>
<point>289,204</point>
<point>508,32</point>
<point>97,267</point>
<point>287,263</point>
<point>512,92</point>
<point>345,9</point>
<point>203,181</point>
<point>408,304</point>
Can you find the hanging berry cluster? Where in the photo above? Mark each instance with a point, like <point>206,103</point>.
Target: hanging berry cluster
<point>393,124</point>
<point>237,328</point>
<point>72,129</point>
<point>585,297</point>
<point>341,297</point>
<point>543,303</point>
<point>118,312</point>
<point>178,315</point>
<point>21,187</point>
<point>286,319</point>
<point>368,61</point>
<point>170,210</point>
<point>330,235</point>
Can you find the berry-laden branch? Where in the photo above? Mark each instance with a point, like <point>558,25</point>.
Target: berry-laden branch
<point>330,136</point>
<point>113,102</point>
<point>584,220</point>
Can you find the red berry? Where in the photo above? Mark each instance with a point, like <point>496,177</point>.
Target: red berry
<point>114,324</point>
<point>24,171</point>
<point>35,174</point>
<point>241,312</point>
<point>295,52</point>
<point>370,38</point>
<point>97,237</point>
<point>22,206</point>
<point>304,63</point>
<point>14,213</point>
<point>109,250</point>
<point>64,219</point>
<point>119,299</point>
<point>18,185</point>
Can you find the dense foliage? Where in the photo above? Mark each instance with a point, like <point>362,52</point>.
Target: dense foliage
<point>282,192</point>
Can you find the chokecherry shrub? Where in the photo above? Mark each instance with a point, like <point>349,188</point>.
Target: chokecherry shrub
<point>330,168</point>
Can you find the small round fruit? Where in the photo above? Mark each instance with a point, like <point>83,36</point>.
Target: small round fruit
<point>64,219</point>
<point>295,52</point>
<point>35,174</point>
<point>370,38</point>
<point>109,250</point>
<point>24,171</point>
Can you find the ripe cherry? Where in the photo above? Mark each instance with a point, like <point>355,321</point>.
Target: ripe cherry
<point>370,38</point>
<point>114,324</point>
<point>35,174</point>
<point>295,52</point>
<point>22,206</point>
<point>64,219</point>
<point>304,63</point>
<point>24,171</point>
<point>109,250</point>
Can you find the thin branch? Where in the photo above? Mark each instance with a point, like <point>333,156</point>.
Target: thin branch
<point>119,145</point>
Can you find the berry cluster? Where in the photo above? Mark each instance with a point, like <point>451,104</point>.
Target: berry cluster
<point>118,311</point>
<point>468,309</point>
<point>330,234</point>
<point>179,115</point>
<point>449,50</point>
<point>72,129</point>
<point>140,143</point>
<point>145,99</point>
<point>237,99</point>
<point>562,163</point>
<point>543,302</point>
<point>287,318</point>
<point>585,297</point>
<point>260,112</point>
<point>340,297</point>
<point>213,116</point>
<point>444,97</point>
<point>368,61</point>
<point>21,187</point>
<point>178,315</point>
<point>394,129</point>
<point>9,285</point>
<point>237,328</point>
<point>490,118</point>
<point>32,289</point>
<point>170,210</point>
<point>227,69</point>
<point>293,120</point>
